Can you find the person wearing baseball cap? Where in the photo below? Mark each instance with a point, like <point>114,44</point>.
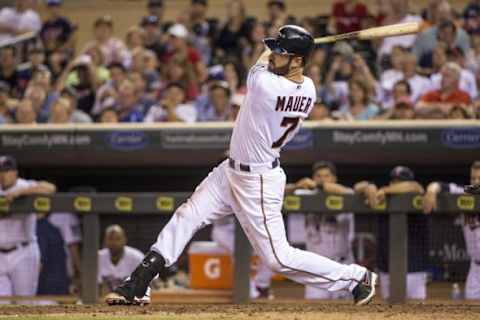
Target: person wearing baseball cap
<point>217,107</point>
<point>57,30</point>
<point>402,181</point>
<point>19,250</point>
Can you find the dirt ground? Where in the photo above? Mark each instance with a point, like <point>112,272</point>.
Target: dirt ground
<point>298,310</point>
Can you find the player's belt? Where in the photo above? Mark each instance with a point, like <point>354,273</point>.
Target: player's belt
<point>247,168</point>
<point>8,250</point>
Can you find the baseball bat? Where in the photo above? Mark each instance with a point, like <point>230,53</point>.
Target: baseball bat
<point>373,33</point>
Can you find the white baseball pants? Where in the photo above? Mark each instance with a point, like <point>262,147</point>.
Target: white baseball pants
<point>19,271</point>
<point>256,199</point>
<point>224,235</point>
<point>472,286</point>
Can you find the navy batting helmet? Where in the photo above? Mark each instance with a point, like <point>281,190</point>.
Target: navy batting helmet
<point>293,40</point>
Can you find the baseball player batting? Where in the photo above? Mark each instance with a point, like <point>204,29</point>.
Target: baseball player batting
<point>251,183</point>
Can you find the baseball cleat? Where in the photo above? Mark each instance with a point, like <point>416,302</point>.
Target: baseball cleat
<point>364,292</point>
<point>115,299</point>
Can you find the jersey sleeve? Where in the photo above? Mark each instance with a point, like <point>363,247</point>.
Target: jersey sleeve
<point>256,74</point>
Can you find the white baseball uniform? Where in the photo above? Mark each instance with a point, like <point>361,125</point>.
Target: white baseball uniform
<point>223,233</point>
<point>251,184</point>
<point>19,251</point>
<point>471,233</point>
<point>330,236</point>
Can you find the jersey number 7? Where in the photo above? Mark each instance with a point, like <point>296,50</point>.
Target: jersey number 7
<point>291,123</point>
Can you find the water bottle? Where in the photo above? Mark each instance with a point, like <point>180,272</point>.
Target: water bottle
<point>456,292</point>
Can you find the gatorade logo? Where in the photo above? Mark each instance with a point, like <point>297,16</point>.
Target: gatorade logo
<point>82,204</point>
<point>211,268</point>
<point>124,204</point>
<point>165,204</point>
<point>292,203</point>
<point>334,202</point>
<point>417,202</point>
<point>41,204</point>
<point>466,202</point>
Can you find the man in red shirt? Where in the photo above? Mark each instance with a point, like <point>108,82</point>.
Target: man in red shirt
<point>179,47</point>
<point>449,93</point>
<point>348,15</point>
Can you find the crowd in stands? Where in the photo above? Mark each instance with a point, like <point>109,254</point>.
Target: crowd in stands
<point>192,68</point>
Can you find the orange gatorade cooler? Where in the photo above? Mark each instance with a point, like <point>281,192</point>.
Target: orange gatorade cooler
<point>210,266</point>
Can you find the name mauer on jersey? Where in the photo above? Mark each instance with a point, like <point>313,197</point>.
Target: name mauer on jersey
<point>293,103</point>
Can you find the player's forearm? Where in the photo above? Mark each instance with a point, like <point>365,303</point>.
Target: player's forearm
<point>42,187</point>
<point>336,188</point>
<point>404,187</point>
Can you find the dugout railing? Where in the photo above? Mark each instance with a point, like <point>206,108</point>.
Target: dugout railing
<point>90,206</point>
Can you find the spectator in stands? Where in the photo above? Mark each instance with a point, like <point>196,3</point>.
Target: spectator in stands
<point>182,71</point>
<point>473,56</point>
<point>314,73</point>
<point>449,93</point>
<point>156,8</point>
<point>397,11</point>
<point>53,278</point>
<point>114,50</point>
<point>360,105</point>
<point>154,39</point>
<point>60,112</point>
<point>467,78</point>
<point>277,14</point>
<point>128,104</point>
<point>135,38</point>
<point>470,224</point>
<point>254,46</point>
<point>233,32</point>
<point>116,260</point>
<point>181,50</point>
<point>35,63</point>
<point>403,108</point>
<point>330,236</point>
<point>202,30</point>
<point>445,31</point>
<point>217,107</point>
<point>418,83</point>
<point>8,69</point>
<point>18,20</point>
<point>347,16</point>
<point>394,71</point>
<point>319,112</point>
<point>81,75</point>
<point>76,115</point>
<point>57,31</point>
<point>471,17</point>
<point>25,112</point>
<point>38,97</point>
<point>461,112</point>
<point>172,107</point>
<point>5,104</point>
<point>19,252</point>
<point>234,77</point>
<point>107,93</point>
<point>108,115</point>
<point>402,180</point>
<point>145,63</point>
<point>146,91</point>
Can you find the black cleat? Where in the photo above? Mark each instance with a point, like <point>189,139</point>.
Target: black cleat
<point>265,293</point>
<point>133,289</point>
<point>365,290</point>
